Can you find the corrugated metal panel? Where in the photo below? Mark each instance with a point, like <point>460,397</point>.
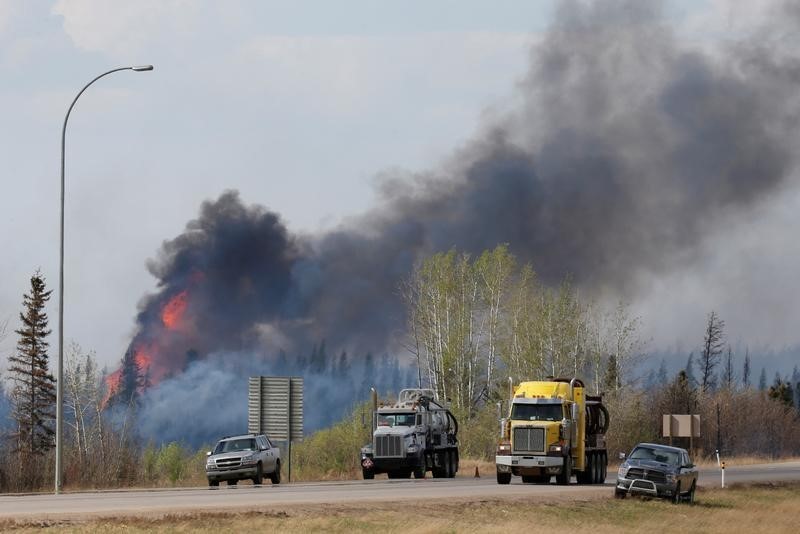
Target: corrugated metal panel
<point>275,407</point>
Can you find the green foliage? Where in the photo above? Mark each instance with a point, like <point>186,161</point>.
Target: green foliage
<point>171,461</point>
<point>333,452</point>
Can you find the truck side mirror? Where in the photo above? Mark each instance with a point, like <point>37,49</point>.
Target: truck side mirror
<point>622,456</point>
<point>503,422</point>
<point>208,453</point>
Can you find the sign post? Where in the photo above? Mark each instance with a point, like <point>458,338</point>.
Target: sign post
<point>275,407</point>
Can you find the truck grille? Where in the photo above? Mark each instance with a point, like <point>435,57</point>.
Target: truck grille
<point>388,446</point>
<point>228,463</point>
<point>529,440</point>
<point>653,476</point>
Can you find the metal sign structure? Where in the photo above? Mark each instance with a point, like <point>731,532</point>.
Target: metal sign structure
<point>681,426</point>
<point>275,408</point>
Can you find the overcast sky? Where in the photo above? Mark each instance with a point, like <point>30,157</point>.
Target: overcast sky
<point>299,106</point>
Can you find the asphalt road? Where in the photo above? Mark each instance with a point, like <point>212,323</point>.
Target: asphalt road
<point>246,496</point>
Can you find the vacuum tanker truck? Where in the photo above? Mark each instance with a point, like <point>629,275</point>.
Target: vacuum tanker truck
<point>414,435</point>
<point>553,428</point>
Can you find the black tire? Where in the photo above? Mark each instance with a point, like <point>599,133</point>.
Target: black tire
<point>453,462</point>
<point>213,483</point>
<point>597,469</point>
<point>564,477</point>
<point>275,477</point>
<point>620,494</point>
<point>503,478</point>
<point>232,482</point>
<point>587,476</point>
<point>441,470</point>
<point>448,464</point>
<point>368,474</point>
<point>690,495</point>
<point>676,499</point>
<point>259,478</point>
<point>603,467</point>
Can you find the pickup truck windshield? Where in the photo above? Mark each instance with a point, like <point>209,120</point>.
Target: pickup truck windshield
<point>655,455</point>
<point>536,412</point>
<point>396,419</point>
<point>234,445</point>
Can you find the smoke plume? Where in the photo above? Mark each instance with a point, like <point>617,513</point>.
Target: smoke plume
<point>629,146</point>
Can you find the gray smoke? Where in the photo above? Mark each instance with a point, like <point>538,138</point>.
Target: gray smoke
<point>629,148</point>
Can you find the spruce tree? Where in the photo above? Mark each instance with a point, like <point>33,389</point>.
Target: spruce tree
<point>131,381</point>
<point>33,396</point>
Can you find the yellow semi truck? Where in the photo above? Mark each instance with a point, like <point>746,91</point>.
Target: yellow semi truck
<point>553,428</point>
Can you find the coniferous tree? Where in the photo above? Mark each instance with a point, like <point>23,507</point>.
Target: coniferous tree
<point>781,391</point>
<point>762,380</point>
<point>662,376</point>
<point>746,369</point>
<point>689,370</point>
<point>33,395</point>
<point>712,350</point>
<point>131,381</point>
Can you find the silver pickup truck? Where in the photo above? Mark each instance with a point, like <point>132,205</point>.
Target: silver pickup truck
<point>657,471</point>
<point>248,456</point>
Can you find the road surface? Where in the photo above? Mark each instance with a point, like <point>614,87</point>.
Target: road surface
<point>245,496</point>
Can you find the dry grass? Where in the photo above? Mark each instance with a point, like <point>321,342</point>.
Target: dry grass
<point>737,509</point>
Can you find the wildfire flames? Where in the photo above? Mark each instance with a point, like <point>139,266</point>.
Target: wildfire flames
<point>174,309</point>
<point>145,354</point>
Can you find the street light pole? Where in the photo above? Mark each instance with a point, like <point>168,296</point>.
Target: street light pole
<point>60,378</point>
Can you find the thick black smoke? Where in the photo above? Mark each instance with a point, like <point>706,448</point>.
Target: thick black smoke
<point>628,148</point>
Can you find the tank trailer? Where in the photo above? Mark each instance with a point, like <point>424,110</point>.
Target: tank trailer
<point>414,435</point>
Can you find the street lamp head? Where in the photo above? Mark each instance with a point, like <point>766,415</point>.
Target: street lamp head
<point>139,68</point>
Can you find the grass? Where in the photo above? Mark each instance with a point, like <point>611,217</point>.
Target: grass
<point>737,509</point>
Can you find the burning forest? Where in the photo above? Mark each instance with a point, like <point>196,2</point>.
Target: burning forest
<point>627,149</point>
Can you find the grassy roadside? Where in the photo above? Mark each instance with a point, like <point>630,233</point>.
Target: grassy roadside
<point>737,509</point>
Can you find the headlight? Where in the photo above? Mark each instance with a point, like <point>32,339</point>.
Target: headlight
<point>555,448</point>
<point>623,470</point>
<point>670,477</point>
<point>503,448</point>
<point>249,459</point>
<point>210,463</point>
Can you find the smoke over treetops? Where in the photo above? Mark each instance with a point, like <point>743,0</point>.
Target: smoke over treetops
<point>628,147</point>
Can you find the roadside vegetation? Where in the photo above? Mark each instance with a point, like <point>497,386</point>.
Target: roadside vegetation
<point>737,509</point>
<point>476,325</point>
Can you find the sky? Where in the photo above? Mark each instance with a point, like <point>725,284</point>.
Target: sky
<point>300,106</point>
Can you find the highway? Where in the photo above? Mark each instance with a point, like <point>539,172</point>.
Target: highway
<point>245,496</point>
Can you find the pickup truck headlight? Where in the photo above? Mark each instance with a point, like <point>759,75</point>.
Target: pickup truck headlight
<point>671,478</point>
<point>210,464</point>
<point>623,470</point>
<point>249,459</point>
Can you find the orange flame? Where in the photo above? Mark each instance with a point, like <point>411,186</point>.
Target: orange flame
<point>173,310</point>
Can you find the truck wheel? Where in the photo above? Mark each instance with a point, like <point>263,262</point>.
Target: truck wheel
<point>603,467</point>
<point>451,464</point>
<point>275,477</point>
<point>213,483</point>
<point>503,478</point>
<point>441,470</point>
<point>587,475</point>
<point>259,475</point>
<point>676,499</point>
<point>368,474</point>
<point>690,496</point>
<point>564,477</point>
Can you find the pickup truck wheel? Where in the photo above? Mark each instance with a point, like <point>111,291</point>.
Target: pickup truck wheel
<point>275,477</point>
<point>690,496</point>
<point>259,475</point>
<point>368,474</point>
<point>213,483</point>
<point>676,499</point>
<point>503,478</point>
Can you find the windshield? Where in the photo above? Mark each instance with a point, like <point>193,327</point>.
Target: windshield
<point>233,445</point>
<point>536,412</point>
<point>655,455</point>
<point>396,419</point>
